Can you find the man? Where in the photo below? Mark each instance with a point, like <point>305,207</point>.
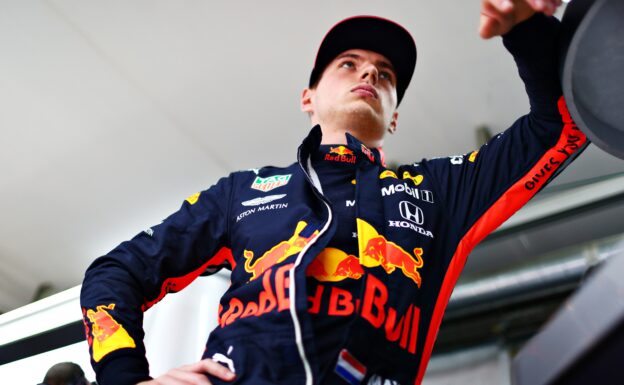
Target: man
<point>341,268</point>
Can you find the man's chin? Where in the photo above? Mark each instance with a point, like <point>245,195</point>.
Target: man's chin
<point>364,118</point>
<point>364,107</point>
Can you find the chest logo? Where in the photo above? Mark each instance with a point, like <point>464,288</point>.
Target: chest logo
<point>340,154</point>
<point>411,212</point>
<point>262,200</point>
<point>416,179</point>
<point>335,265</point>
<point>376,250</point>
<point>277,253</point>
<point>271,182</point>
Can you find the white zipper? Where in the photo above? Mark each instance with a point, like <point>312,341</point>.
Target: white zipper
<point>293,298</point>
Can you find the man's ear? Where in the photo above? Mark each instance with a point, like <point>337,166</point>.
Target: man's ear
<point>393,123</point>
<point>306,100</point>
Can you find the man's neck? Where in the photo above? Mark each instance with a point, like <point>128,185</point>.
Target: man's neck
<point>332,135</point>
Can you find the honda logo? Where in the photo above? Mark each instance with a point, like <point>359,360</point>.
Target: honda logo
<point>411,212</point>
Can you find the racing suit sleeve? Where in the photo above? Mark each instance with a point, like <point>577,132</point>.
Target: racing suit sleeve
<point>121,285</point>
<point>484,188</point>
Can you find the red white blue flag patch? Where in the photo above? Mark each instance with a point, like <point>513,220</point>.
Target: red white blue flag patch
<point>350,369</point>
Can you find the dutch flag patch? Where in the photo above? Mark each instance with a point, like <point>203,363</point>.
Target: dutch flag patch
<point>350,369</point>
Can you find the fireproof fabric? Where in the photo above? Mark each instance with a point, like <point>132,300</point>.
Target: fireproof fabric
<point>273,227</point>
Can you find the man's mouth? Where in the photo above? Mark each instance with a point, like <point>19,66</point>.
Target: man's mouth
<point>365,90</point>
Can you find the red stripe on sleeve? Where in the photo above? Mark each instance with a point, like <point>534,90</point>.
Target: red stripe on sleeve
<point>175,284</point>
<point>570,140</point>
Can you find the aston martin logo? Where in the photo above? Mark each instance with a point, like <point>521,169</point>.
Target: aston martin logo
<point>262,200</point>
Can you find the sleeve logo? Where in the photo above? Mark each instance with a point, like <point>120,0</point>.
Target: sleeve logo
<point>108,334</point>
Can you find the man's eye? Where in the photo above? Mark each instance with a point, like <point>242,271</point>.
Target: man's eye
<point>385,75</point>
<point>347,64</point>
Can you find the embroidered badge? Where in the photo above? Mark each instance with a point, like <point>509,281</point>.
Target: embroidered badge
<point>270,183</point>
<point>349,368</point>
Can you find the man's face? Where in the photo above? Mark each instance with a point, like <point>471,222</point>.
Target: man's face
<point>358,88</point>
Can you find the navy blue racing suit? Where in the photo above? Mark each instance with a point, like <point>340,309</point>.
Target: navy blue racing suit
<point>335,277</point>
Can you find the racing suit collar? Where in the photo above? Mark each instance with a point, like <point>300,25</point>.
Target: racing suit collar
<point>364,154</point>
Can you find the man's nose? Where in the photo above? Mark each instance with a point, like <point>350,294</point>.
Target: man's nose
<point>370,73</point>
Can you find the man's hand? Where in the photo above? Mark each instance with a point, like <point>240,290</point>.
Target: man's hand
<point>499,16</point>
<point>193,374</point>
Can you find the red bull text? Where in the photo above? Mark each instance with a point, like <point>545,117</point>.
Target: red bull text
<point>333,265</point>
<point>340,154</point>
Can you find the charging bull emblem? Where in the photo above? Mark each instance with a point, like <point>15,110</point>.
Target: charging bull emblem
<point>335,265</point>
<point>277,253</point>
<point>376,250</point>
<point>108,335</point>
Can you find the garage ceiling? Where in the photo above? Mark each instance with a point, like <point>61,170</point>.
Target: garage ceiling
<point>113,112</point>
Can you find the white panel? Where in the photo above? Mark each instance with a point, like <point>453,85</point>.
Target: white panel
<point>177,328</point>
<point>57,310</point>
<point>31,370</point>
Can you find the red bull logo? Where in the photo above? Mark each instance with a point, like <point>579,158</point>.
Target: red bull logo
<point>340,154</point>
<point>274,296</point>
<point>340,150</point>
<point>399,328</point>
<point>335,265</point>
<point>376,250</point>
<point>107,334</point>
<point>277,253</point>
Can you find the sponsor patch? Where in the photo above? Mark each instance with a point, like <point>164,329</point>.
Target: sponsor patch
<point>388,174</point>
<point>277,253</point>
<point>340,150</point>
<point>349,368</point>
<point>377,380</point>
<point>266,207</point>
<point>456,159</point>
<point>376,250</point>
<point>271,182</point>
<point>423,195</point>
<point>411,226</point>
<point>262,200</point>
<point>108,334</point>
<point>225,360</point>
<point>416,179</point>
<point>368,153</point>
<point>340,154</point>
<point>411,212</point>
<point>334,265</point>
<point>473,156</point>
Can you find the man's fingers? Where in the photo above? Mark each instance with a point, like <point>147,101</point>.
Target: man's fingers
<point>181,376</point>
<point>488,27</point>
<point>502,6</point>
<point>494,21</point>
<point>549,7</point>
<point>211,367</point>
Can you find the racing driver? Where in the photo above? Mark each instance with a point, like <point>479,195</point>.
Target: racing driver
<point>341,268</point>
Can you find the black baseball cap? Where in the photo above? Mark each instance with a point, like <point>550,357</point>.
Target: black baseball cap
<point>374,34</point>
